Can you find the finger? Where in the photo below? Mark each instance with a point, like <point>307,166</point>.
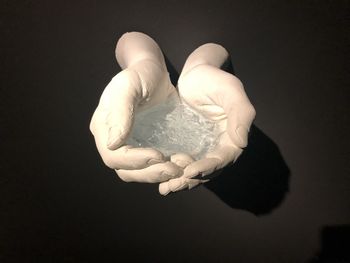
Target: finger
<point>129,158</point>
<point>225,151</point>
<point>118,104</point>
<point>181,159</point>
<point>135,46</point>
<point>204,167</point>
<point>124,157</point>
<point>178,184</point>
<point>153,174</point>
<point>209,53</point>
<point>239,119</point>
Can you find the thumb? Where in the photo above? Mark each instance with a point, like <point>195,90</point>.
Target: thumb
<point>237,106</point>
<point>222,89</point>
<point>239,120</point>
<point>119,101</point>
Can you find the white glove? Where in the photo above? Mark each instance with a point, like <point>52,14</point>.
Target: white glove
<point>219,96</point>
<point>143,82</point>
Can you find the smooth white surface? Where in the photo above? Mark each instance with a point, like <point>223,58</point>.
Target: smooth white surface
<point>143,83</point>
<point>219,96</point>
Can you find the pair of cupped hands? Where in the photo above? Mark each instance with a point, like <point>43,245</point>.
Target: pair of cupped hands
<point>143,83</point>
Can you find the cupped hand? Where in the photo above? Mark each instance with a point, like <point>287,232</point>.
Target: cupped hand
<point>219,96</point>
<point>143,82</point>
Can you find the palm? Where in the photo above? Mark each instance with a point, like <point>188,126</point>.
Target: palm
<point>204,88</point>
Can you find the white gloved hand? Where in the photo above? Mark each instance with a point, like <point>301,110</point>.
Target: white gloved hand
<point>219,96</point>
<point>143,82</point>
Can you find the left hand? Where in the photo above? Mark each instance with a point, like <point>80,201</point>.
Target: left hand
<point>143,83</point>
<point>219,96</point>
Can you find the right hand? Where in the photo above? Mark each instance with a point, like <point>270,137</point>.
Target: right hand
<point>143,82</point>
<point>220,97</point>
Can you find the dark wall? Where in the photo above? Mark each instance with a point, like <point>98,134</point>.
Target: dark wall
<point>58,203</point>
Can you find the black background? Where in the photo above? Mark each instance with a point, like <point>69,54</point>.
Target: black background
<point>59,203</point>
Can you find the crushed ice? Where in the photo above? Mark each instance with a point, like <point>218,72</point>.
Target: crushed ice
<point>173,127</point>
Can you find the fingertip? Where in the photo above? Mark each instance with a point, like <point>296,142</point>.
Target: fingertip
<point>114,138</point>
<point>237,133</point>
<point>202,167</point>
<point>114,144</point>
<point>164,188</point>
<point>154,155</point>
<point>242,136</point>
<point>240,121</point>
<point>181,159</point>
<point>124,175</point>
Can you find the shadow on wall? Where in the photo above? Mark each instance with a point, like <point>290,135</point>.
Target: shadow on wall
<point>335,245</point>
<point>173,74</point>
<point>259,180</point>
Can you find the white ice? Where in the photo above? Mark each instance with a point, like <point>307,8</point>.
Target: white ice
<point>173,127</point>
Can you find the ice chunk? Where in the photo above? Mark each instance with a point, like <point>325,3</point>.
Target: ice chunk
<point>173,127</point>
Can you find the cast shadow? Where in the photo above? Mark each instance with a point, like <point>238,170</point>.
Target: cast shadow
<point>173,74</point>
<point>259,180</point>
<point>335,245</point>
